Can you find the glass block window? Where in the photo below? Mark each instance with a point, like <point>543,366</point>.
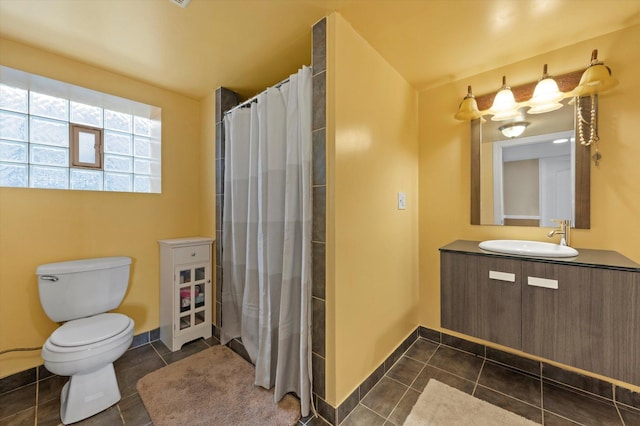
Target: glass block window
<point>37,116</point>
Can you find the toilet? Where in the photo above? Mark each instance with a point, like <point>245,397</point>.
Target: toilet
<point>80,293</point>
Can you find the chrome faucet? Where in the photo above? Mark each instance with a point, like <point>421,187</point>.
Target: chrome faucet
<point>564,229</point>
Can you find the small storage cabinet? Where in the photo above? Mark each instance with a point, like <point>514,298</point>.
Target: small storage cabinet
<point>185,290</point>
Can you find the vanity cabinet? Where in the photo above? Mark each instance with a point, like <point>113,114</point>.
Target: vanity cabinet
<point>582,312</point>
<point>481,297</point>
<point>185,290</point>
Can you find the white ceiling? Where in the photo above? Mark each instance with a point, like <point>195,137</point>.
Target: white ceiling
<point>247,45</point>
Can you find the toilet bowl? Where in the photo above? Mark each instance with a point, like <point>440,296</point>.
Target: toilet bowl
<point>81,345</point>
<point>85,349</point>
<point>80,293</point>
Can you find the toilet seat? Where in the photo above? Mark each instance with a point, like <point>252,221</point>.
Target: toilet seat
<point>52,352</point>
<point>85,331</point>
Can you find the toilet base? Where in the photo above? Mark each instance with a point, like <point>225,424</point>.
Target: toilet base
<point>87,394</point>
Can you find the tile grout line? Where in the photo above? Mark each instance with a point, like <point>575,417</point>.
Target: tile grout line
<point>577,390</point>
<point>449,372</point>
<point>507,395</point>
<point>475,385</point>
<point>161,357</point>
<point>120,412</point>
<point>35,410</point>
<point>410,384</point>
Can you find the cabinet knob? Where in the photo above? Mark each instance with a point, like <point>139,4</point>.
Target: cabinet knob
<point>193,254</point>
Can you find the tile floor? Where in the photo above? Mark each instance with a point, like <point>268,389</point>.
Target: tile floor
<point>39,403</point>
<point>519,390</point>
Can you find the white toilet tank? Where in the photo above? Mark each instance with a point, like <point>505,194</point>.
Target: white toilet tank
<point>81,288</point>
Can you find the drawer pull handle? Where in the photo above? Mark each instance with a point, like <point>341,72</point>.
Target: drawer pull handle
<point>193,254</point>
<point>542,282</point>
<point>502,276</point>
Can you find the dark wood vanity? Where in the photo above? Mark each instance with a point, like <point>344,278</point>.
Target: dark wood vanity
<point>582,311</point>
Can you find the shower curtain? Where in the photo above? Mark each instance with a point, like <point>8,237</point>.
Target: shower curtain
<point>266,235</point>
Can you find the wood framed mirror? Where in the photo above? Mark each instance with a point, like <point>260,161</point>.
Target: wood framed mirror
<point>528,180</point>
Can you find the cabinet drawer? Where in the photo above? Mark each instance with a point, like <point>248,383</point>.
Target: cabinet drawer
<point>192,254</point>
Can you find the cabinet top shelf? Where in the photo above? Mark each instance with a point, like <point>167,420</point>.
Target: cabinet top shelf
<point>188,241</point>
<point>587,257</point>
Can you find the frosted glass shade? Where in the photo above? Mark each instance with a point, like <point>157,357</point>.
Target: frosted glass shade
<point>504,104</point>
<point>546,96</point>
<point>468,109</point>
<point>597,78</point>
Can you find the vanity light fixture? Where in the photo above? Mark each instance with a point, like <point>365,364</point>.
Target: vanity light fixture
<point>546,96</point>
<point>596,78</point>
<point>468,108</point>
<point>504,104</point>
<point>513,130</point>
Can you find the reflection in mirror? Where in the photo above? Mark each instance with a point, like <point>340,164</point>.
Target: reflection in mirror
<point>527,180</point>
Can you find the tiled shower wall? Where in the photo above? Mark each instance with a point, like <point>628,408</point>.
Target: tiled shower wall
<point>225,100</point>
<point>318,238</point>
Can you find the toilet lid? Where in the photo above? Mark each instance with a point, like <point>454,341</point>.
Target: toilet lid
<point>89,330</point>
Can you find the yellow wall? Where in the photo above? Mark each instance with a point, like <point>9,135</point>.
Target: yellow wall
<point>372,247</point>
<point>41,226</point>
<point>445,152</point>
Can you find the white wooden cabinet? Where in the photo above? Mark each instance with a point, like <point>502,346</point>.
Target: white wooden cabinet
<point>185,290</point>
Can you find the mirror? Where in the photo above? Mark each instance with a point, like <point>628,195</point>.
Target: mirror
<point>540,175</point>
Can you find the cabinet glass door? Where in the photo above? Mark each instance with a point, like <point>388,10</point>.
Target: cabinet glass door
<point>192,295</point>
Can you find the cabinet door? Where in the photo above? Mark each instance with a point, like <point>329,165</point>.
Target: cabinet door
<point>481,297</point>
<point>591,321</point>
<point>193,284</point>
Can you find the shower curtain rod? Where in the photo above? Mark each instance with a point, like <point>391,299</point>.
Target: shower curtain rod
<point>255,98</point>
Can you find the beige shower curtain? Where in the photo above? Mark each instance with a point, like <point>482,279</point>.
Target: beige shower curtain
<point>266,226</point>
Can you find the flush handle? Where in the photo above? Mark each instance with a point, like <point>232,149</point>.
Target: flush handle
<point>49,278</point>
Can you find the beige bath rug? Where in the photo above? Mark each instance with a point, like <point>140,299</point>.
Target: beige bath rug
<point>442,405</point>
<point>212,387</point>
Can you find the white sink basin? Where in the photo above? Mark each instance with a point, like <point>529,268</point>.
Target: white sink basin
<point>528,248</point>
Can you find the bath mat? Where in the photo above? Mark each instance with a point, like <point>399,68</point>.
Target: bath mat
<point>442,405</point>
<point>213,387</point>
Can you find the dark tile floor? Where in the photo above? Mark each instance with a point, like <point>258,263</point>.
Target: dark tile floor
<point>516,387</point>
<point>520,390</point>
<point>39,402</point>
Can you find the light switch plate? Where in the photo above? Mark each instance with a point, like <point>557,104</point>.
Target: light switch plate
<point>402,201</point>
